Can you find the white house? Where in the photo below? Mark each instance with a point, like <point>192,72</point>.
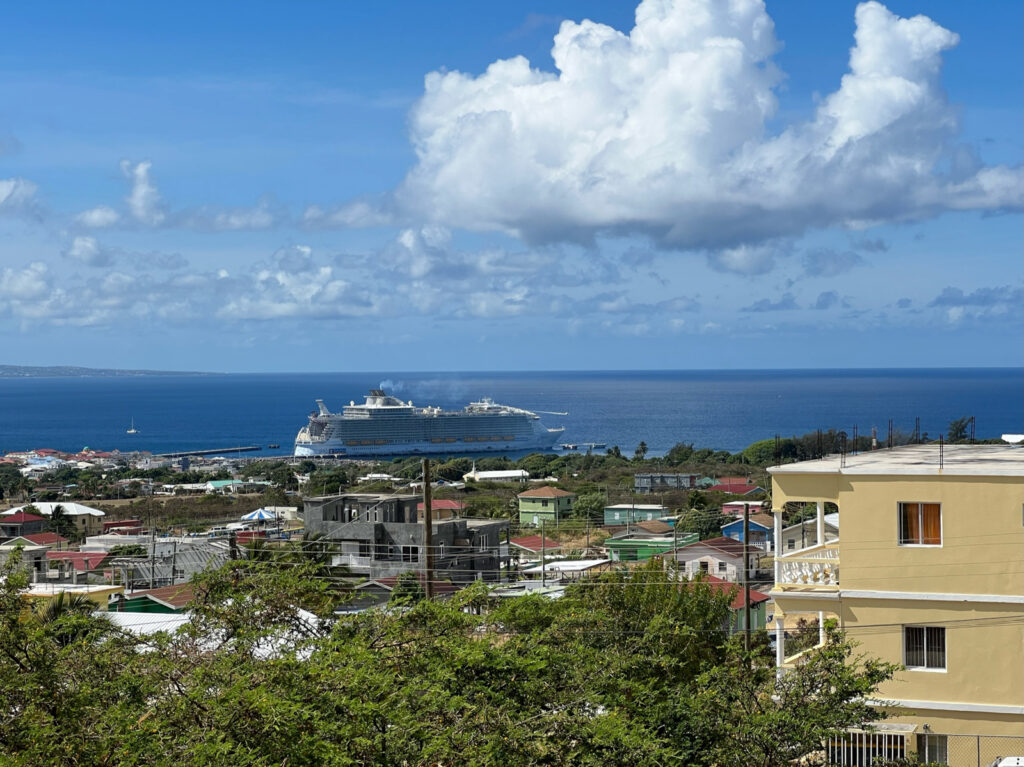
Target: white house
<point>804,534</point>
<point>510,475</point>
<point>86,519</point>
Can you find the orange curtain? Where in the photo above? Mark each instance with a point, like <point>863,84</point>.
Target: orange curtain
<point>932,523</point>
<point>911,532</point>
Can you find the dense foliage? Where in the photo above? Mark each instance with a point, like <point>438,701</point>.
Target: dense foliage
<point>633,669</point>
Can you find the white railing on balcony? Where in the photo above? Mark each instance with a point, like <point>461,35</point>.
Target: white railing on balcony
<point>813,566</point>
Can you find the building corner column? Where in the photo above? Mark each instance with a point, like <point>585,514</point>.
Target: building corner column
<point>780,645</point>
<point>777,514</point>
<point>821,523</point>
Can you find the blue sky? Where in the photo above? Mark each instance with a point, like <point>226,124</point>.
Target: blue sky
<point>407,186</point>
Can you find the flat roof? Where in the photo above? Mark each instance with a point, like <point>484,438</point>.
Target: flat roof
<point>639,506</point>
<point>53,589</point>
<point>919,460</point>
<point>568,566</point>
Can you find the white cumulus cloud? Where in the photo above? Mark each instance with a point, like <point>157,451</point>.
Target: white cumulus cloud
<point>144,199</point>
<point>16,194</point>
<point>27,284</point>
<point>87,250</point>
<point>99,217</point>
<point>662,131</point>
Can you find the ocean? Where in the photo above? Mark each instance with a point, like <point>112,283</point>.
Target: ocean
<point>725,410</point>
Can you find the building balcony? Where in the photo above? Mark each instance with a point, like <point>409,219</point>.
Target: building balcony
<point>813,568</point>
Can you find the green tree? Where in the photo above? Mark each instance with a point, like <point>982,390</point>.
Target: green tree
<point>707,523</point>
<point>408,590</point>
<point>590,506</point>
<point>630,668</point>
<point>12,483</point>
<point>679,454</point>
<point>128,550</point>
<point>831,690</point>
<point>957,429</point>
<point>452,469</point>
<point>641,452</point>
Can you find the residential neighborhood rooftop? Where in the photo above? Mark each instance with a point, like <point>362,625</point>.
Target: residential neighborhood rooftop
<point>719,585</point>
<point>176,596</point>
<point>922,460</point>
<point>544,492</point>
<point>535,543</point>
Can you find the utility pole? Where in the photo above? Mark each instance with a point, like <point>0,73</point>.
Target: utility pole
<point>174,560</point>
<point>543,556</point>
<point>746,577</point>
<point>428,529</point>
<point>152,548</point>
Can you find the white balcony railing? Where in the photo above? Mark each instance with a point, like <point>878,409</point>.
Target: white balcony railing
<point>813,566</point>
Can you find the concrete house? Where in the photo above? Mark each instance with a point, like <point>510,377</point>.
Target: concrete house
<point>21,523</point>
<point>87,520</point>
<point>721,557</point>
<point>622,513</point>
<point>738,615</point>
<point>762,531</point>
<point>644,484</point>
<point>641,547</point>
<point>930,557</point>
<point>382,535</point>
<point>804,534</point>
<point>544,504</point>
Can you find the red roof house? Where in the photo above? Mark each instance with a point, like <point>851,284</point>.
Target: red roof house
<point>20,523</point>
<point>45,539</point>
<point>534,544</point>
<point>725,587</point>
<point>82,561</point>
<point>388,584</point>
<point>443,508</point>
<point>20,517</point>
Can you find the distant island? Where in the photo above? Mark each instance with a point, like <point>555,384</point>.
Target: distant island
<point>70,371</point>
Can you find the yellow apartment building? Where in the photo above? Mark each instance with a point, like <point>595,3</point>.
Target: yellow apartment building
<point>928,572</point>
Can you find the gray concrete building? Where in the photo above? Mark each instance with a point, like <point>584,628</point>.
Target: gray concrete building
<point>644,484</point>
<point>382,535</point>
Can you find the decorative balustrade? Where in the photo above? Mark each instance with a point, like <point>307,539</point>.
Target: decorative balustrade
<point>813,566</point>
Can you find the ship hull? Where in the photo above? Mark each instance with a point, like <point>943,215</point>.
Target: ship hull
<point>341,450</point>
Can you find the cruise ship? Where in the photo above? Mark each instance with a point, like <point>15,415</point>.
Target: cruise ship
<point>385,425</point>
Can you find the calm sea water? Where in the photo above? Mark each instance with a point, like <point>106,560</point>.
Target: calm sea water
<point>720,409</point>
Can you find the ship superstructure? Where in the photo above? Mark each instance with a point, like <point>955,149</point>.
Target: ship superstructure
<point>385,425</point>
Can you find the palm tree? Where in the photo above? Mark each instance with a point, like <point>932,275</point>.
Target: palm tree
<point>641,451</point>
<point>61,523</point>
<point>64,604</point>
<point>66,617</point>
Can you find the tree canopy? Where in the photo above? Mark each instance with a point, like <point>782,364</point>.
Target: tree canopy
<point>632,668</point>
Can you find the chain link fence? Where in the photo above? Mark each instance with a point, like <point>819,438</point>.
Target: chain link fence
<point>876,748</point>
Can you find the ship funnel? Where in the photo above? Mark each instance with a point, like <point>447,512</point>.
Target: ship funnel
<point>323,408</point>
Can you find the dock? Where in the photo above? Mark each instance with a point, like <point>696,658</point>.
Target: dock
<point>183,453</point>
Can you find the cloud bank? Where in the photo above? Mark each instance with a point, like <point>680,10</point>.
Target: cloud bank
<point>662,132</point>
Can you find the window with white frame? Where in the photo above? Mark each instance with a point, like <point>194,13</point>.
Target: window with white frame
<point>920,524</point>
<point>924,647</point>
<point>932,749</point>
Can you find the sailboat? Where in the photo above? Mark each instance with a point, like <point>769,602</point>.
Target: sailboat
<point>131,429</point>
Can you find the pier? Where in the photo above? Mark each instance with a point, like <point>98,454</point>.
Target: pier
<point>183,453</point>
